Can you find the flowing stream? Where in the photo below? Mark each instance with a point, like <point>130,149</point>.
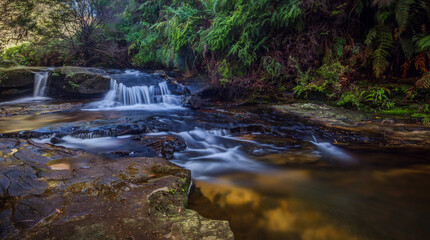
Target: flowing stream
<point>272,177</point>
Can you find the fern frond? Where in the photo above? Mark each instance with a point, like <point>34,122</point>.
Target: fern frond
<point>405,68</point>
<point>402,14</point>
<point>371,35</point>
<point>420,63</point>
<point>408,47</point>
<point>424,81</point>
<point>424,43</point>
<point>380,62</point>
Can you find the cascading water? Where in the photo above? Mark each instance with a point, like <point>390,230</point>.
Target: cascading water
<point>39,91</point>
<point>40,84</point>
<point>122,97</point>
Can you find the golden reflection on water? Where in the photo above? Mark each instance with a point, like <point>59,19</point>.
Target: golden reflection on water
<point>262,217</point>
<point>319,205</point>
<point>30,122</point>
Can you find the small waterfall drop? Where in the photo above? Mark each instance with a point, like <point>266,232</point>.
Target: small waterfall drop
<point>123,97</point>
<point>39,90</point>
<point>40,84</point>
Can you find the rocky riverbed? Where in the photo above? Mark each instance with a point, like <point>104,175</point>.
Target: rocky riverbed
<point>49,192</point>
<point>120,166</point>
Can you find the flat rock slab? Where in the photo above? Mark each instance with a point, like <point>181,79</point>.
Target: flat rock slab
<point>388,133</point>
<point>36,109</point>
<point>49,192</point>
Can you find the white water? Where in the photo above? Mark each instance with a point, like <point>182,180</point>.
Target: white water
<point>39,90</point>
<point>40,84</point>
<point>121,97</point>
<point>213,152</point>
<point>333,153</point>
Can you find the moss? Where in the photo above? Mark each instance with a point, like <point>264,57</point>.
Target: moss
<point>420,115</point>
<point>397,111</point>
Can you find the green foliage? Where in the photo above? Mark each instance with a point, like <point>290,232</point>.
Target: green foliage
<point>3,76</point>
<point>398,24</point>
<point>424,43</point>
<point>272,67</point>
<point>225,72</point>
<point>73,85</point>
<point>244,46</point>
<point>176,33</point>
<point>380,40</point>
<point>19,54</point>
<point>378,97</point>
<point>305,85</point>
<point>351,98</point>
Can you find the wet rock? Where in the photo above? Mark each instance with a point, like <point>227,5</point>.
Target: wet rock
<point>16,82</point>
<point>56,140</point>
<point>340,125</point>
<point>75,83</point>
<point>178,89</point>
<point>6,227</point>
<point>67,194</point>
<point>196,84</point>
<point>168,74</point>
<point>121,153</point>
<point>23,181</point>
<point>190,225</point>
<point>165,145</point>
<point>194,102</point>
<point>17,77</point>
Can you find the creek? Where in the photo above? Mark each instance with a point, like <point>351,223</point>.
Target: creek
<point>270,175</point>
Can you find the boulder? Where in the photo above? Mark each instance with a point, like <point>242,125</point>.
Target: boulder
<point>164,145</point>
<point>16,82</point>
<point>65,83</point>
<point>197,85</point>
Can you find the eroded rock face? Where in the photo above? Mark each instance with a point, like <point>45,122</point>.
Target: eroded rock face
<point>15,82</point>
<point>49,192</point>
<point>77,83</point>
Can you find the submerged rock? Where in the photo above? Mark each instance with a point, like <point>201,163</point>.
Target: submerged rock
<point>49,192</point>
<point>165,145</point>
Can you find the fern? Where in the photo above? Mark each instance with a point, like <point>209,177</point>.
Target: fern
<point>424,43</point>
<point>383,40</point>
<point>424,81</point>
<point>402,14</point>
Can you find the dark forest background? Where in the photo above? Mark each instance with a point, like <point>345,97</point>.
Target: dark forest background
<point>351,52</point>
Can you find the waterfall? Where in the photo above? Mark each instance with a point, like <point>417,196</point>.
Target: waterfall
<point>128,96</point>
<point>123,97</point>
<point>39,91</point>
<point>40,84</point>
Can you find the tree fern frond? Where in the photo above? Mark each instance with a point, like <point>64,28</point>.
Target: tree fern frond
<point>402,14</point>
<point>371,35</point>
<point>408,47</point>
<point>424,43</point>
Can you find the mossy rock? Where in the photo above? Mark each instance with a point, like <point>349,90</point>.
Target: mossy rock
<point>75,82</point>
<point>16,78</point>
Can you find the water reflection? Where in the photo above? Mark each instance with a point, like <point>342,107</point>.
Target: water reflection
<point>320,204</point>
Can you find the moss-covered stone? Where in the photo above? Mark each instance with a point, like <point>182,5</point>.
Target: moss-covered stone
<point>75,82</point>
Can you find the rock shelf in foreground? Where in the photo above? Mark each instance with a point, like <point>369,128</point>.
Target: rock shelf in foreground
<point>49,192</point>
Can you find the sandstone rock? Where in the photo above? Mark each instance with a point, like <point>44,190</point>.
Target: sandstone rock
<point>77,83</point>
<point>67,194</point>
